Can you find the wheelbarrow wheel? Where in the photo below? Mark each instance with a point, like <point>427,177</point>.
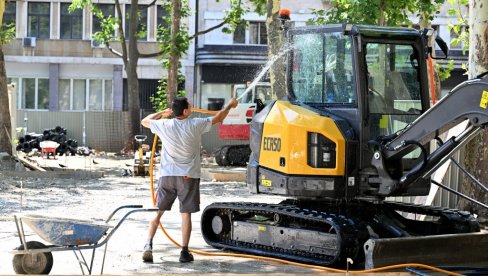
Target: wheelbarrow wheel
<point>35,263</point>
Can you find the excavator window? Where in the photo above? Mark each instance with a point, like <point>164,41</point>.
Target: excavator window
<point>322,69</point>
<point>393,87</point>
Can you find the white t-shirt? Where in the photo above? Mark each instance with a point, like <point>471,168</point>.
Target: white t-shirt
<point>181,142</point>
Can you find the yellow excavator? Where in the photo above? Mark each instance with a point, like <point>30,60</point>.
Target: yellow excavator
<point>355,129</point>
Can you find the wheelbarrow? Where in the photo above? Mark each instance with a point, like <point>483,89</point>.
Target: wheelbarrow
<point>33,257</point>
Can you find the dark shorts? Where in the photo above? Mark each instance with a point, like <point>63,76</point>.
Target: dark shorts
<point>187,190</point>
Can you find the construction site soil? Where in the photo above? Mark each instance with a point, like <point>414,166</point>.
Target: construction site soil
<point>73,187</point>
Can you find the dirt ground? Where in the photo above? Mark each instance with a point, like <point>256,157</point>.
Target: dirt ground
<point>91,198</point>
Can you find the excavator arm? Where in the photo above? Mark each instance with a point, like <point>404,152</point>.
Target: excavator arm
<point>467,101</point>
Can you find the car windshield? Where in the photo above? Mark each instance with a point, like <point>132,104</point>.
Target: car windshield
<point>262,92</point>
<point>322,69</point>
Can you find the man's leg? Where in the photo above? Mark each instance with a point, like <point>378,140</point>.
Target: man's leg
<point>153,225</point>
<point>185,255</point>
<point>185,228</point>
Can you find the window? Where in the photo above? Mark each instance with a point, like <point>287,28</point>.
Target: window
<point>79,95</point>
<point>141,22</point>
<point>394,97</point>
<point>100,95</point>
<point>9,14</point>
<point>35,93</point>
<point>162,13</point>
<point>71,23</point>
<point>73,94</point>
<point>64,95</point>
<point>38,19</point>
<point>255,34</point>
<point>107,10</point>
<point>240,34</point>
<point>322,69</point>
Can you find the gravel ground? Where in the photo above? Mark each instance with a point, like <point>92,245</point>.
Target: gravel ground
<point>95,199</point>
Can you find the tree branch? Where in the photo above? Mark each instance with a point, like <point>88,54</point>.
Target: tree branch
<point>113,51</point>
<point>151,54</point>
<point>208,30</point>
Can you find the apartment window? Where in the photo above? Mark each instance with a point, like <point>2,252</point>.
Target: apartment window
<point>107,10</point>
<point>162,13</point>
<point>255,34</point>
<point>38,18</point>
<point>73,94</point>
<point>141,22</point>
<point>79,95</point>
<point>240,34</point>
<point>9,14</point>
<point>35,93</point>
<point>100,95</point>
<point>71,23</point>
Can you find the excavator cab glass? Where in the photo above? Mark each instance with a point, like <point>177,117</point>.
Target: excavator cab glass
<point>322,70</point>
<point>394,98</point>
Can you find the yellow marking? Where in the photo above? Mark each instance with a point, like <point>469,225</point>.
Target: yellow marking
<point>384,121</point>
<point>262,228</point>
<point>266,183</point>
<point>484,100</point>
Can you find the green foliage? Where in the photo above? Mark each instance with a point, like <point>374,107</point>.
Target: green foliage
<point>260,6</point>
<point>182,42</point>
<point>160,101</point>
<point>233,16</point>
<point>444,72</point>
<point>460,28</point>
<point>371,12</point>
<point>7,33</point>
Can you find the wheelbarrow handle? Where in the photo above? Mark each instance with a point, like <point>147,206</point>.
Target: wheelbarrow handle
<point>122,207</point>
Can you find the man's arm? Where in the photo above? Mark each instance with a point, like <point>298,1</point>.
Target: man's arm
<point>154,116</point>
<point>219,117</point>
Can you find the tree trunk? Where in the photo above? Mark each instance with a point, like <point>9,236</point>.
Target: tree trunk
<point>5,124</point>
<point>132,78</point>
<point>476,153</point>
<point>381,19</point>
<point>174,55</point>
<point>275,46</point>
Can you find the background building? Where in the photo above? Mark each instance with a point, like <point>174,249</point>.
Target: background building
<point>62,77</point>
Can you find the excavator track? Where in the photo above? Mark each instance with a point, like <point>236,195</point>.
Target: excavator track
<point>282,231</point>
<point>325,234</point>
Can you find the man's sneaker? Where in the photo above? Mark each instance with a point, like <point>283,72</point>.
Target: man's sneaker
<point>147,256</point>
<point>186,257</point>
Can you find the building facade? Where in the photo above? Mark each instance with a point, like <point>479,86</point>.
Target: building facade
<point>63,77</point>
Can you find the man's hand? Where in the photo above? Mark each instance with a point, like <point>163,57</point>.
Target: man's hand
<point>219,117</point>
<point>166,113</point>
<point>154,116</point>
<point>233,103</point>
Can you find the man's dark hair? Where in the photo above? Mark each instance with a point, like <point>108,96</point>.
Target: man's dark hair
<point>178,105</point>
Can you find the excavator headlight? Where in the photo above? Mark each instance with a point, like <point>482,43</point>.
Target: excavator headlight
<point>321,151</point>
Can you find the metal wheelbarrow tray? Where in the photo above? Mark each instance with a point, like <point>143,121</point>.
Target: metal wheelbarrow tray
<point>63,234</point>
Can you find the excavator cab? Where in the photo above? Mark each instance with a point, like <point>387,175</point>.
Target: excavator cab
<point>350,87</point>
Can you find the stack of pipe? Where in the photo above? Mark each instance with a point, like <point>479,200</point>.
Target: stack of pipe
<point>32,141</point>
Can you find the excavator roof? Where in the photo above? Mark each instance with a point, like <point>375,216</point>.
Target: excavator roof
<point>364,30</point>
